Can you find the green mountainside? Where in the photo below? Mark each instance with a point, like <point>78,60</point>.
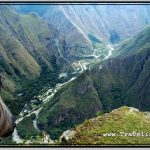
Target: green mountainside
<point>51,80</point>
<point>69,106</point>
<point>33,52</point>
<point>29,55</point>
<point>123,126</point>
<point>108,85</point>
<point>136,44</point>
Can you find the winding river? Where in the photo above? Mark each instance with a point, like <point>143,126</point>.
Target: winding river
<point>83,65</point>
<point>47,96</point>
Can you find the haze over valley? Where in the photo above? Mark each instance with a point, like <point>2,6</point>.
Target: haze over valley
<point>64,67</point>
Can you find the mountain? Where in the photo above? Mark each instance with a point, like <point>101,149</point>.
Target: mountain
<point>110,23</point>
<point>69,106</point>
<point>78,43</point>
<point>102,20</point>
<point>123,126</point>
<point>56,70</point>
<point>117,81</point>
<point>90,29</point>
<point>28,51</point>
<point>138,43</point>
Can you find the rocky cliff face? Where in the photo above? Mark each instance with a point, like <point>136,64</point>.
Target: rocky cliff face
<point>110,23</point>
<point>118,81</point>
<point>106,23</point>
<point>67,109</point>
<point>31,48</point>
<point>124,79</point>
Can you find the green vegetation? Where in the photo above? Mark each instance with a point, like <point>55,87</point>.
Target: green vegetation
<point>37,140</point>
<point>99,113</point>
<point>26,129</point>
<point>99,47</point>
<point>7,141</point>
<point>119,81</point>
<point>124,119</point>
<point>137,44</point>
<point>66,109</point>
<point>47,79</point>
<point>31,60</point>
<point>28,57</point>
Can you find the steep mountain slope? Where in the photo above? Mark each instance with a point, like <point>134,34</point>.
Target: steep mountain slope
<point>102,20</point>
<point>89,29</point>
<point>33,53</point>
<point>136,44</point>
<point>13,53</point>
<point>123,126</point>
<point>69,106</point>
<point>115,82</point>
<point>110,23</point>
<point>35,34</point>
<point>28,50</point>
<point>77,42</point>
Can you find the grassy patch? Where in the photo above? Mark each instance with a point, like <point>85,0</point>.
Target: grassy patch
<point>121,120</point>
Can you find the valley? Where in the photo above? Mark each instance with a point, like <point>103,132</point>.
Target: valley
<point>65,68</point>
<point>90,60</point>
<point>45,98</point>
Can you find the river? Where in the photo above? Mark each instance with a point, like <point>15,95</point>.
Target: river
<point>83,65</point>
<point>109,52</point>
<point>47,96</point>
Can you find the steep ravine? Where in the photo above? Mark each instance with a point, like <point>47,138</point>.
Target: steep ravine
<point>45,98</point>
